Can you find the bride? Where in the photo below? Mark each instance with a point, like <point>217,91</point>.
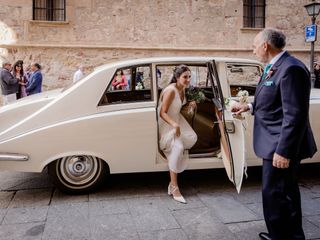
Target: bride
<point>176,135</point>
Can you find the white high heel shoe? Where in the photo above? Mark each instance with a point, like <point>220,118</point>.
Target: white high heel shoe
<point>171,190</point>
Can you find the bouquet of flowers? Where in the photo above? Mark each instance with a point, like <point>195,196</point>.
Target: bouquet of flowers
<point>242,96</point>
<point>194,94</point>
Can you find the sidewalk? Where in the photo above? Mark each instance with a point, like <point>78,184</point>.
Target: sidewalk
<point>136,206</point>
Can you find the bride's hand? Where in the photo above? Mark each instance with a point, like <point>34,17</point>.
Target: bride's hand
<point>193,104</point>
<point>178,132</point>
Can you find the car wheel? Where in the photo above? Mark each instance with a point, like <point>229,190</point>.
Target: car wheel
<point>78,174</point>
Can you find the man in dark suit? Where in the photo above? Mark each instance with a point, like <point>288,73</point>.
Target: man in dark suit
<point>9,84</point>
<point>35,81</point>
<point>282,133</point>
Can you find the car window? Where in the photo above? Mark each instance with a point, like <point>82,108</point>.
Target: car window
<point>243,77</point>
<point>198,75</point>
<point>131,84</point>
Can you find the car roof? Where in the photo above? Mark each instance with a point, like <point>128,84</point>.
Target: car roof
<point>185,59</point>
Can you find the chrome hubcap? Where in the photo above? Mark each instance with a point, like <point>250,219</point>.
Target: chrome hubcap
<point>79,170</point>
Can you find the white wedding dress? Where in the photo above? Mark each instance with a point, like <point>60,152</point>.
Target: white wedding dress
<point>175,148</point>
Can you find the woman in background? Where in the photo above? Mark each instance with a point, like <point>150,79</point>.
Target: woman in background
<point>17,72</point>
<point>119,82</point>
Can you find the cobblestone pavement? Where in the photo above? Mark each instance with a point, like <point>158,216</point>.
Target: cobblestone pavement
<point>135,206</point>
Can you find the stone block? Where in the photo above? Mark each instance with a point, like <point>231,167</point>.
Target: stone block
<point>227,208</point>
<point>118,206</point>
<point>31,198</point>
<point>5,199</point>
<point>62,198</point>
<point>110,227</point>
<point>202,223</point>
<point>68,221</point>
<point>151,214</point>
<point>248,230</point>
<point>172,234</point>
<point>26,215</point>
<point>25,231</point>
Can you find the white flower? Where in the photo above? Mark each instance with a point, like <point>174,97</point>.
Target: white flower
<point>243,96</point>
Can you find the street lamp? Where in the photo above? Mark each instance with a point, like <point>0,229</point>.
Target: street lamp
<point>313,10</point>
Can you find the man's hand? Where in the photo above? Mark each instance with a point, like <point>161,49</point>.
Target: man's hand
<point>279,161</point>
<point>239,108</point>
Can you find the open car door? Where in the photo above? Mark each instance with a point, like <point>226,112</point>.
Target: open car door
<point>232,132</point>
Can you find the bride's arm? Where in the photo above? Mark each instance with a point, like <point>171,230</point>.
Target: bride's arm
<point>167,99</point>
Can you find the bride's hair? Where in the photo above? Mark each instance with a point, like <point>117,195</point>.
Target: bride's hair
<point>177,71</point>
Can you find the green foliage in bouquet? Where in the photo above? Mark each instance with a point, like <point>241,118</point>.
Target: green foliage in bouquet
<point>195,94</point>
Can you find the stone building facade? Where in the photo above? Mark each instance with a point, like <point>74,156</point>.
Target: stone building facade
<point>96,32</point>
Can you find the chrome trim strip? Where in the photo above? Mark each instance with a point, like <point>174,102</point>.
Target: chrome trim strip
<point>13,157</point>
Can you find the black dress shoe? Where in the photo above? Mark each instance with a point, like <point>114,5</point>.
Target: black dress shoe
<point>264,236</point>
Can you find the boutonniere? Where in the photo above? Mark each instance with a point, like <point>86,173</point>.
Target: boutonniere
<point>268,83</point>
<point>270,73</point>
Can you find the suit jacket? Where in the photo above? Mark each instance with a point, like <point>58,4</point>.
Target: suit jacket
<point>281,110</point>
<point>34,83</point>
<point>9,84</point>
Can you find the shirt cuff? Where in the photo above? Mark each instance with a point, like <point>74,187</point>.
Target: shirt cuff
<point>250,107</point>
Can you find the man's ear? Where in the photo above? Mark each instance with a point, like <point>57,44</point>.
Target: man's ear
<point>265,46</point>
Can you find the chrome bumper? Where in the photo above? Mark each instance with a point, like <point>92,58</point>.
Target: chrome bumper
<point>13,157</point>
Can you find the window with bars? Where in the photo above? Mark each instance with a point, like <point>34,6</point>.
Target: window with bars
<point>49,10</point>
<point>254,13</point>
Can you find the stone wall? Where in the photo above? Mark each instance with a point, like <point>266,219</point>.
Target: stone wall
<point>99,31</point>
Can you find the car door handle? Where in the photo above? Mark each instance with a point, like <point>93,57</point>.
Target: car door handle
<point>230,127</point>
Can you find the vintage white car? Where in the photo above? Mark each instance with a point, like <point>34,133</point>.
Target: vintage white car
<point>91,129</point>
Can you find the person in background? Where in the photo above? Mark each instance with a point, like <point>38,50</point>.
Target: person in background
<point>282,135</point>
<point>317,75</point>
<point>79,74</point>
<point>119,82</point>
<point>35,82</point>
<point>17,72</point>
<point>9,84</point>
<point>27,72</point>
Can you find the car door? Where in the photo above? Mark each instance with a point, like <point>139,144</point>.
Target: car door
<point>232,132</point>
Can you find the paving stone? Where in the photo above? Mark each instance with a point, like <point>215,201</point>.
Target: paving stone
<point>111,227</point>
<point>150,214</point>
<point>247,230</point>
<point>11,183</point>
<point>25,231</point>
<point>172,234</point>
<point>311,231</point>
<point>5,198</point>
<point>40,181</point>
<point>25,215</point>
<point>68,221</point>
<point>108,207</point>
<point>315,191</point>
<point>121,191</point>
<point>23,180</point>
<point>227,208</point>
<point>314,220</point>
<point>2,214</point>
<point>201,223</point>
<point>249,195</point>
<point>31,198</point>
<point>62,198</point>
<point>193,201</point>
<point>310,206</point>
<point>257,209</point>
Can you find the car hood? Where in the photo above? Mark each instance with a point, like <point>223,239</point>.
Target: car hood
<point>15,112</point>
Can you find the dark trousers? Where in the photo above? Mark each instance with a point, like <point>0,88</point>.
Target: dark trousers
<point>281,201</point>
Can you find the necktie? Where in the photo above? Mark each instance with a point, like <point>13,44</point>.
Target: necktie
<point>266,69</point>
